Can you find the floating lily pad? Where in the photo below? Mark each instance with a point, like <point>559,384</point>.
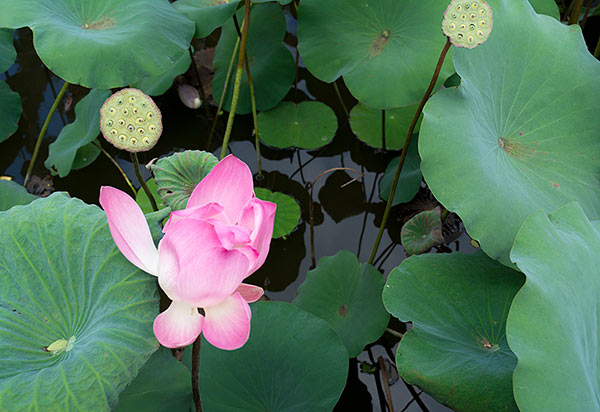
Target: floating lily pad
<point>157,85</point>
<point>347,294</point>
<point>559,255</point>
<point>149,393</point>
<point>12,194</point>
<point>10,102</point>
<point>102,43</point>
<point>287,214</point>
<point>422,232</point>
<point>271,64</point>
<point>8,54</point>
<point>85,128</point>
<point>307,125</point>
<point>410,177</point>
<point>142,199</point>
<point>366,124</point>
<point>75,315</point>
<point>375,45</point>
<point>178,175</point>
<point>456,350</point>
<point>293,361</point>
<point>495,151</point>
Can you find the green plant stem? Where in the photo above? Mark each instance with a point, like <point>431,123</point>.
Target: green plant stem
<point>225,86</point>
<point>576,12</point>
<point>136,169</point>
<point>339,95</point>
<point>95,143</point>
<point>411,129</point>
<point>196,373</point>
<point>586,13</point>
<point>38,143</point>
<point>394,333</point>
<point>597,50</point>
<point>238,79</point>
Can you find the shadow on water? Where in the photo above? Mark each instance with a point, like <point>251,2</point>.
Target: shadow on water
<point>346,216</point>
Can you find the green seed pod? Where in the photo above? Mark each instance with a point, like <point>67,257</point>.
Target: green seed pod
<point>477,13</point>
<point>125,117</point>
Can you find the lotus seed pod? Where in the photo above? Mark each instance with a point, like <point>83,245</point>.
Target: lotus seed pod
<point>467,23</point>
<point>130,120</point>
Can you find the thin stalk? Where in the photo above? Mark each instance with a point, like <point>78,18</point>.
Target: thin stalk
<point>238,79</point>
<point>411,129</point>
<point>225,85</point>
<point>394,333</point>
<point>383,129</point>
<point>253,102</point>
<point>38,143</point>
<point>339,95</point>
<point>586,13</point>
<point>95,143</point>
<point>597,50</point>
<point>386,384</point>
<point>204,102</point>
<point>196,373</point>
<point>380,394</point>
<point>60,112</point>
<point>576,12</point>
<point>136,169</point>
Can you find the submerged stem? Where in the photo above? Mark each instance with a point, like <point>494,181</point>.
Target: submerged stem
<point>238,79</point>
<point>195,373</point>
<point>38,143</point>
<point>136,169</point>
<point>411,129</point>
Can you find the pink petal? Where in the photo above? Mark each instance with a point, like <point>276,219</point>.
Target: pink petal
<point>178,326</point>
<point>129,229</point>
<point>229,184</point>
<point>195,267</point>
<point>208,211</point>
<point>250,293</point>
<point>259,216</point>
<point>227,325</point>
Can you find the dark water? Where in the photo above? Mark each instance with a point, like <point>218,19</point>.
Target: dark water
<point>345,218</point>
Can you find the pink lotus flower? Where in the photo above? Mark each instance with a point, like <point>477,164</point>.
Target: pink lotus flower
<point>209,248</point>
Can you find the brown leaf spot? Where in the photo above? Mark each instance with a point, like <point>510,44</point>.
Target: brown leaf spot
<point>380,42</point>
<point>556,185</point>
<point>343,310</point>
<point>103,23</point>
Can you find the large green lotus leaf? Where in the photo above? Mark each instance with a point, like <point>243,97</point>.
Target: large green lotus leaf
<point>376,45</point>
<point>347,294</point>
<point>102,43</point>
<point>307,125</point>
<point>293,362</point>
<point>508,141</point>
<point>178,175</point>
<point>456,350</point>
<point>8,54</point>
<point>12,194</point>
<point>85,128</point>
<point>207,14</point>
<point>271,64</point>
<point>287,214</point>
<point>75,315</point>
<point>157,85</point>
<point>10,102</point>
<point>366,124</point>
<point>163,384</point>
<point>548,7</point>
<point>86,155</point>
<point>410,177</point>
<point>553,325</point>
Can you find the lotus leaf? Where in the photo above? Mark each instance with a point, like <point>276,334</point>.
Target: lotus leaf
<point>456,349</point>
<point>8,54</point>
<point>375,45</point>
<point>85,155</point>
<point>75,315</point>
<point>157,85</point>
<point>306,125</point>
<point>287,214</point>
<point>366,124</point>
<point>410,177</point>
<point>553,322</point>
<point>207,14</point>
<point>85,128</point>
<point>347,294</point>
<point>10,102</point>
<point>102,43</point>
<point>12,194</point>
<point>422,232</point>
<point>293,361</point>
<point>271,65</point>
<point>508,140</point>
<point>177,175</point>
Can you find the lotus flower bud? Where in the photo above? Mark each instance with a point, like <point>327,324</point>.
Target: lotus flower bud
<point>189,96</point>
<point>467,23</point>
<point>130,120</point>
